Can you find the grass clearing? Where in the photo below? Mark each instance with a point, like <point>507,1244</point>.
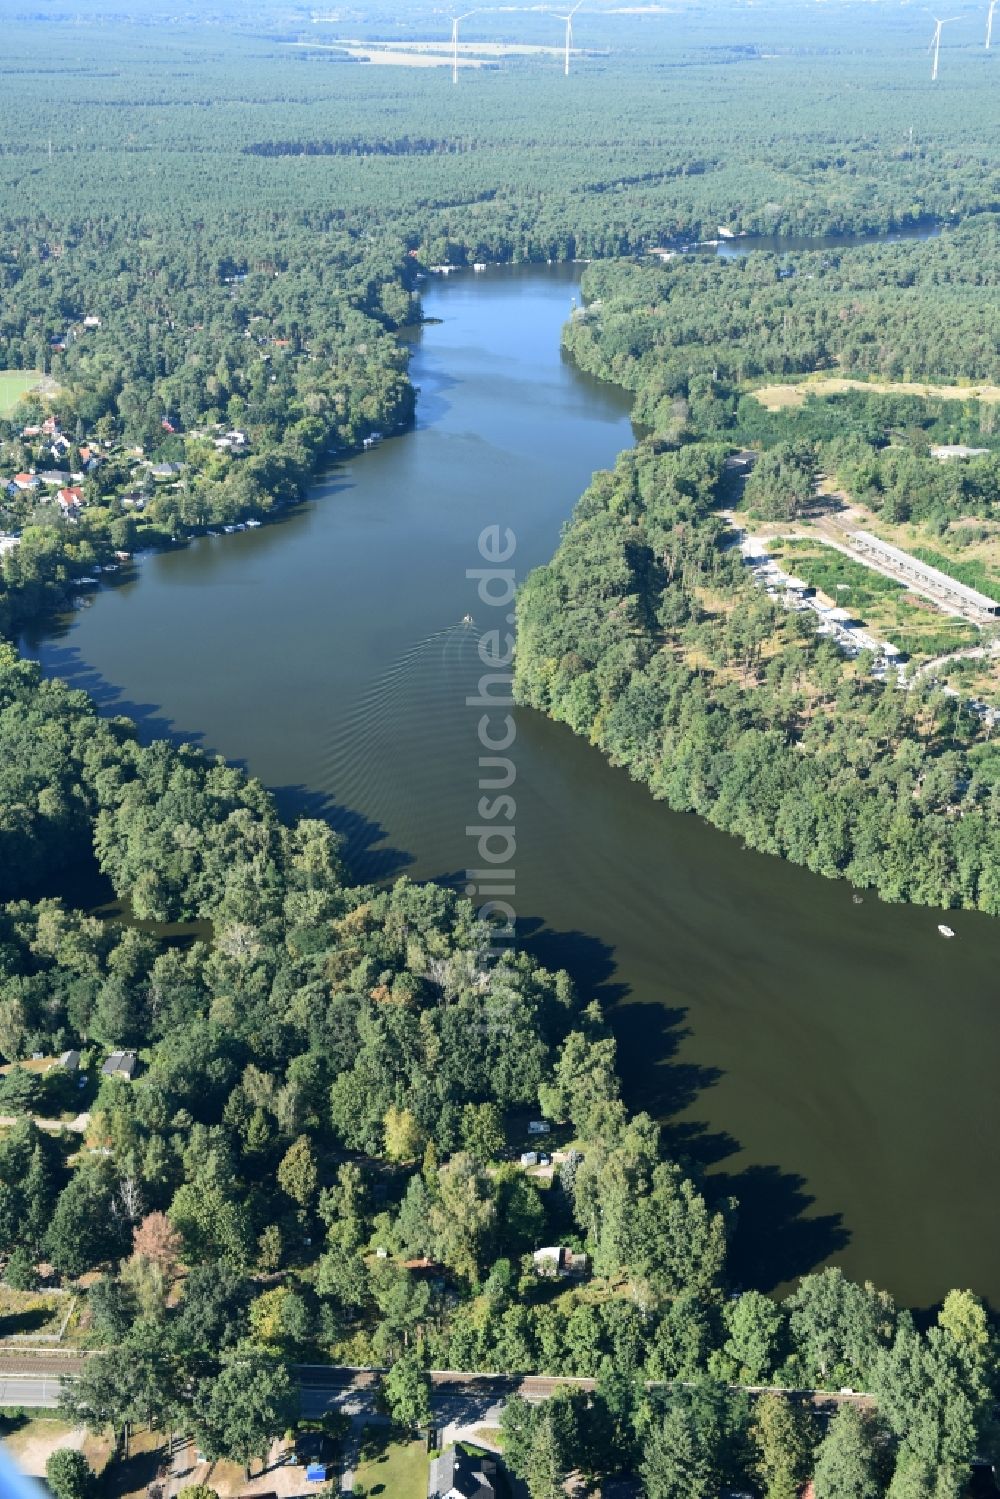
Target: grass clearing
<point>973,573</point>
<point>14,384</point>
<point>23,1313</point>
<point>391,1469</point>
<point>789,395</point>
<point>31,1439</point>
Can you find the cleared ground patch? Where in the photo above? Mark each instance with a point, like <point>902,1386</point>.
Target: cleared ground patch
<point>14,384</point>
<point>782,397</point>
<point>31,1440</point>
<point>430,54</point>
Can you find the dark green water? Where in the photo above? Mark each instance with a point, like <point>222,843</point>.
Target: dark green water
<point>833,1063</point>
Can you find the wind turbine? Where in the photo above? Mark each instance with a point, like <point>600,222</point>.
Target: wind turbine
<point>936,43</point>
<point>454,43</point>
<point>569,34</point>
<point>989,25</point>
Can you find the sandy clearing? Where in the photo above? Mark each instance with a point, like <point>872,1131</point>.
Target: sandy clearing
<point>782,397</point>
<point>431,54</point>
<point>34,1444</point>
<point>381,57</point>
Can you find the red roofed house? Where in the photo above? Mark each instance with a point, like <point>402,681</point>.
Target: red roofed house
<point>70,498</point>
<point>26,481</point>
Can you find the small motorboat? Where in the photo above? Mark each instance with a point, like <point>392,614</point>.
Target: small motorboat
<point>467,619</point>
<point>945,931</point>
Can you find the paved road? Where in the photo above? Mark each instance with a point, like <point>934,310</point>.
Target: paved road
<point>456,1396</point>
<point>34,1392</point>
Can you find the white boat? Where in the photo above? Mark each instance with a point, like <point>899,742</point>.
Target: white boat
<point>253,524</point>
<point>467,619</point>
<point>945,931</point>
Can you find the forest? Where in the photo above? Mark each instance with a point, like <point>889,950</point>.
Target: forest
<point>333,1085</point>
<point>208,246</point>
<point>647,635</point>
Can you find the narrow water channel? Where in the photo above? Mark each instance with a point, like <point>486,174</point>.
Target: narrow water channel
<point>833,1064</point>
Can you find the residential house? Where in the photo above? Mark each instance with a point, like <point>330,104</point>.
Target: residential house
<point>119,1064</point>
<point>557,1260</point>
<point>70,1061</point>
<point>26,481</point>
<point>70,499</point>
<point>165,470</point>
<point>90,321</point>
<point>52,476</point>
<point>538,1127</point>
<point>460,1475</point>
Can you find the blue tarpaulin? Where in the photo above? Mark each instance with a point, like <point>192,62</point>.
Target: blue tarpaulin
<point>316,1473</point>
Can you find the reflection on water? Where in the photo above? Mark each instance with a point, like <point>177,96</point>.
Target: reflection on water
<point>830,1064</point>
<point>797,244</point>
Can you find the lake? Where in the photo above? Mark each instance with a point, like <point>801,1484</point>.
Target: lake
<point>832,1064</point>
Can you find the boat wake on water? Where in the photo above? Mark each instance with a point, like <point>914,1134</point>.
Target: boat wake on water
<point>400,715</point>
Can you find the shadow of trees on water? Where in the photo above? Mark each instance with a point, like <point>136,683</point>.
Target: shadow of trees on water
<point>775,1236</point>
